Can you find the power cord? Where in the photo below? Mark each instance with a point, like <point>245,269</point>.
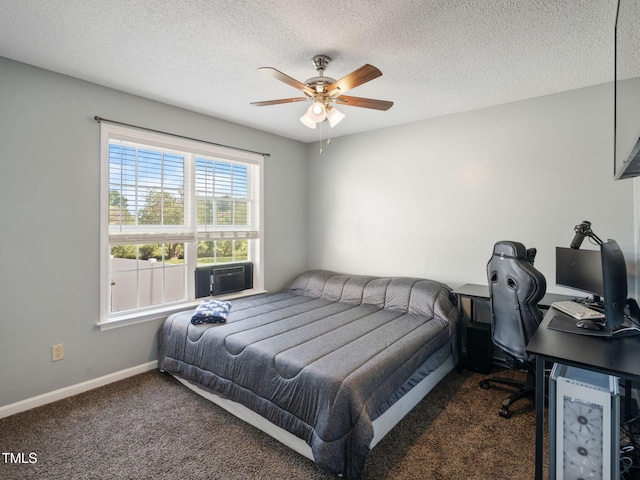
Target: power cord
<point>630,449</point>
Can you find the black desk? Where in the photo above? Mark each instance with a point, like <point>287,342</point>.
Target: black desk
<point>473,292</point>
<point>476,291</point>
<point>612,356</point>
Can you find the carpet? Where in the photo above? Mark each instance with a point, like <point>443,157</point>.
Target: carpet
<point>151,427</point>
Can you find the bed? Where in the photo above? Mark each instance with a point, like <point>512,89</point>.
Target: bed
<point>327,366</point>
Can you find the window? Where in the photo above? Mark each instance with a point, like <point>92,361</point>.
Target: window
<point>168,205</point>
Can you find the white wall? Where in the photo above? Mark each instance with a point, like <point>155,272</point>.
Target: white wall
<point>49,240</point>
<point>430,199</point>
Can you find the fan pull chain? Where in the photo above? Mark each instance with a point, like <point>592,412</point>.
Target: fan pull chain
<point>322,135</point>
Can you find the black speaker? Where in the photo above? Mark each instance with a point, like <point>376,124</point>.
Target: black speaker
<point>479,347</point>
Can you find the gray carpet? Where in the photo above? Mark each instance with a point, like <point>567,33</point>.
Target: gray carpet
<point>151,427</point>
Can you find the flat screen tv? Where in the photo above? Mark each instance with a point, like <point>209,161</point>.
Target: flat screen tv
<point>627,90</point>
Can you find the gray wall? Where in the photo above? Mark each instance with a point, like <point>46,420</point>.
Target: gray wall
<point>424,199</point>
<point>49,241</point>
<point>430,198</point>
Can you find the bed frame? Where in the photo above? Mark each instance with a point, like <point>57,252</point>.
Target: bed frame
<point>381,426</point>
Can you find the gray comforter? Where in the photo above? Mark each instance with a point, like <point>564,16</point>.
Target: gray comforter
<point>321,359</point>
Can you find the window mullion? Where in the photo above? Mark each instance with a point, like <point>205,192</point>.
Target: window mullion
<point>191,221</point>
<point>190,197</point>
<point>137,189</point>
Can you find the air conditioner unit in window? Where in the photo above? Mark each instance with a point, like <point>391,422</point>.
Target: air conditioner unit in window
<point>222,279</point>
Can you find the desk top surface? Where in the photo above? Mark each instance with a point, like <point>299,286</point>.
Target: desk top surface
<point>613,356</point>
<point>475,290</point>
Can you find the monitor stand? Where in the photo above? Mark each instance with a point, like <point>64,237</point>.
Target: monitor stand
<point>627,329</point>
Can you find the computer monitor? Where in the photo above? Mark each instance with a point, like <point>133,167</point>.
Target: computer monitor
<point>580,270</point>
<point>602,273</point>
<point>614,279</point>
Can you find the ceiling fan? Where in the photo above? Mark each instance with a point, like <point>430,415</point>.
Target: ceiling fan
<point>323,92</point>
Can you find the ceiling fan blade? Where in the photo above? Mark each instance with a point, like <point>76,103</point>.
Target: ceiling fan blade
<point>364,102</point>
<point>277,102</point>
<point>278,75</point>
<point>362,75</point>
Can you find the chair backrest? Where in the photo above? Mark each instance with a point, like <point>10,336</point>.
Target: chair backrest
<point>515,288</point>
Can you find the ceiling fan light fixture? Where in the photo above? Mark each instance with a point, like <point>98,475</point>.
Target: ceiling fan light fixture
<point>334,116</point>
<point>324,91</point>
<point>308,121</point>
<point>317,112</point>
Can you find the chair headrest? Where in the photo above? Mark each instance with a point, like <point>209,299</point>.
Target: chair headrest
<point>509,249</point>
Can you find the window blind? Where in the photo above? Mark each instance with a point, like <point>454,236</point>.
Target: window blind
<point>172,193</point>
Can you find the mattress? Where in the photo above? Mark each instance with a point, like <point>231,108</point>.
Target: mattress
<point>321,359</point>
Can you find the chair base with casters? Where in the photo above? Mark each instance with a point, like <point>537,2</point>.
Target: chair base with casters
<point>525,390</point>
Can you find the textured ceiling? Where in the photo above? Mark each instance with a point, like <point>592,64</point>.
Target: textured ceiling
<point>437,56</point>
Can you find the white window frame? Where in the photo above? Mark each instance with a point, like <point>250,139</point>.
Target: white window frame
<point>109,131</point>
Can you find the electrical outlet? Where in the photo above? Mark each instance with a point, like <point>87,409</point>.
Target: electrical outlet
<point>57,352</point>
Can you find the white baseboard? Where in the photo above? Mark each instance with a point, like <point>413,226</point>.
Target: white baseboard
<point>71,390</point>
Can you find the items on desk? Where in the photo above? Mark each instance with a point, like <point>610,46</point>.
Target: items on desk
<point>604,274</point>
<point>577,310</point>
<point>595,325</point>
<point>590,324</point>
<point>583,230</point>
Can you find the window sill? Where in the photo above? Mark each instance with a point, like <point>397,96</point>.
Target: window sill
<point>162,313</point>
